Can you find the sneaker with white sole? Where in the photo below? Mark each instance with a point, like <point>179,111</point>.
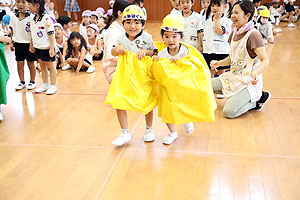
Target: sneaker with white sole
<point>91,69</point>
<point>189,127</point>
<point>122,139</point>
<point>1,116</point>
<point>149,135</point>
<point>294,19</point>
<point>220,96</point>
<point>51,90</point>
<point>265,97</point>
<point>170,138</point>
<point>66,67</point>
<point>20,86</point>
<point>291,25</point>
<point>43,88</point>
<point>31,86</point>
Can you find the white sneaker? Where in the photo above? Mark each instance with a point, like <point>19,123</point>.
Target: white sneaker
<point>122,139</point>
<point>1,116</point>
<point>66,67</point>
<point>277,21</point>
<point>294,19</point>
<point>74,24</point>
<point>149,135</point>
<point>278,30</point>
<point>170,138</point>
<point>91,69</point>
<point>291,25</point>
<point>43,88</point>
<point>220,96</point>
<point>51,90</point>
<point>189,127</point>
<point>31,86</point>
<point>20,86</point>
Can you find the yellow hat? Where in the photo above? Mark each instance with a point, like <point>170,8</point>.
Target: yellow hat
<point>264,13</point>
<point>133,12</point>
<point>173,22</point>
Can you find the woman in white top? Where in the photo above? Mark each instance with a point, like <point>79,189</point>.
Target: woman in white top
<point>248,59</point>
<point>116,29</point>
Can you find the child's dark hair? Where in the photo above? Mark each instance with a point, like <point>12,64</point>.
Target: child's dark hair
<point>267,5</point>
<point>256,1</point>
<point>247,7</point>
<point>63,20</point>
<point>119,5</point>
<point>41,3</point>
<point>138,2</point>
<point>162,31</point>
<point>218,2</point>
<point>74,35</point>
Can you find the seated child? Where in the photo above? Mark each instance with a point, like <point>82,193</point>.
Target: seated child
<point>94,17</point>
<point>60,43</point>
<point>94,43</point>
<point>86,20</point>
<point>276,12</point>
<point>265,27</point>
<point>65,22</point>
<point>79,58</point>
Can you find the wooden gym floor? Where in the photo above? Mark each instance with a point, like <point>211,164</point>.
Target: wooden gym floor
<point>59,147</point>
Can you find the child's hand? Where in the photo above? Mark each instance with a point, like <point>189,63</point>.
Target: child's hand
<point>31,49</point>
<point>72,3</point>
<point>12,48</point>
<point>254,78</point>
<point>156,57</point>
<point>140,54</point>
<point>214,64</point>
<point>51,53</point>
<point>76,73</point>
<point>120,50</point>
<point>174,59</point>
<point>217,16</point>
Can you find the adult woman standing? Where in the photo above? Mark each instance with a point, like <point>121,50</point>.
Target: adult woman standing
<point>248,59</point>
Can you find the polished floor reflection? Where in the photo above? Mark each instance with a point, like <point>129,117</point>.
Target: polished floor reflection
<point>59,147</point>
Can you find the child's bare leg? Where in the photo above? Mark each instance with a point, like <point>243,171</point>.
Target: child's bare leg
<point>171,127</point>
<point>122,117</point>
<point>69,14</point>
<point>32,71</point>
<point>75,16</point>
<point>21,70</point>
<point>51,68</point>
<point>44,71</point>
<point>290,17</point>
<point>149,119</point>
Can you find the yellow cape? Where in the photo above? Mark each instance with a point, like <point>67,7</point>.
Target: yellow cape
<point>184,88</point>
<point>132,88</point>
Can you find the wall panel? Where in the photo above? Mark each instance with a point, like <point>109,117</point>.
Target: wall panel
<point>156,9</point>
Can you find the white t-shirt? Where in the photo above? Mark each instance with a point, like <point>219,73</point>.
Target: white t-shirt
<point>277,11</point>
<point>109,61</point>
<point>21,27</point>
<point>287,1</point>
<point>192,25</point>
<point>2,7</point>
<point>175,11</point>
<point>143,41</point>
<point>83,30</point>
<point>183,51</point>
<point>214,43</point>
<point>40,31</point>
<point>145,12</point>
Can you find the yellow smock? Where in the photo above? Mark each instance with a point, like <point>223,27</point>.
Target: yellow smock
<point>184,88</point>
<point>132,88</point>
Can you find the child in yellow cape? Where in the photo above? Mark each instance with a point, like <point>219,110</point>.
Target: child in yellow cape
<point>132,88</point>
<point>185,93</point>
